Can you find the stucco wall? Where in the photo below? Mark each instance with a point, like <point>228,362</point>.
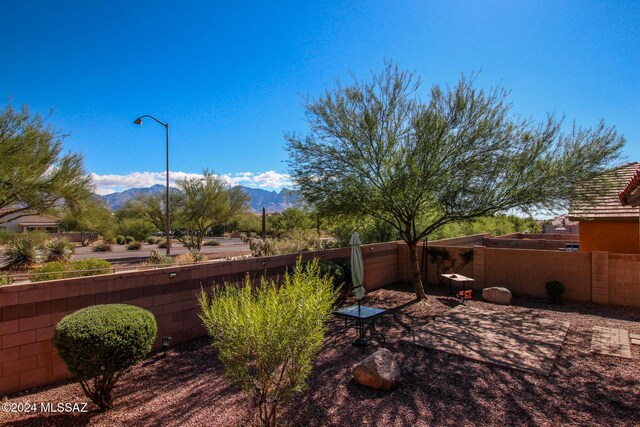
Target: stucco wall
<point>611,236</point>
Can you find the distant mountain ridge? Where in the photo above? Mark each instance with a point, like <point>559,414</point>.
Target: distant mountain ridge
<point>272,201</point>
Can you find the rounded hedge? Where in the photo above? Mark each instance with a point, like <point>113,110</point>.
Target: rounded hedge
<point>103,340</point>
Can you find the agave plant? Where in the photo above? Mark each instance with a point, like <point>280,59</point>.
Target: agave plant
<point>22,253</point>
<point>59,249</point>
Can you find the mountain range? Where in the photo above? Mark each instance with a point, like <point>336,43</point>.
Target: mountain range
<point>272,201</point>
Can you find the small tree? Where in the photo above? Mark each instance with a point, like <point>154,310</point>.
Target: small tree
<point>34,174</point>
<point>267,337</point>
<point>90,217</point>
<point>203,203</point>
<point>375,149</point>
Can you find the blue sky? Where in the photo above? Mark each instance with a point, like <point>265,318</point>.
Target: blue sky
<point>231,78</point>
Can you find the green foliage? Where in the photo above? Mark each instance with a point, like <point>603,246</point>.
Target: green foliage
<point>376,149</point>
<point>91,217</point>
<point>134,246</point>
<point>34,174</point>
<point>162,244</point>
<point>5,279</point>
<point>23,253</point>
<point>292,219</point>
<point>65,270</point>
<point>247,222</point>
<point>156,258</point>
<point>336,273</point>
<point>136,229</point>
<point>100,343</point>
<point>120,239</point>
<point>203,203</point>
<point>152,240</point>
<point>267,337</point>
<point>102,247</point>
<point>292,242</point>
<point>445,263</point>
<point>129,239</point>
<point>211,242</point>
<point>555,291</point>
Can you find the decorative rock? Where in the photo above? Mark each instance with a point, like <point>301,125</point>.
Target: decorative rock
<point>380,370</point>
<point>497,295</point>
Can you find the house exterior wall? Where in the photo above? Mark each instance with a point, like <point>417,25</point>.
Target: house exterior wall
<point>13,224</point>
<point>611,236</point>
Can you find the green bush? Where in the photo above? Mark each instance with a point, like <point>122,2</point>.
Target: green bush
<point>59,249</point>
<point>555,291</point>
<point>102,247</point>
<point>134,246</point>
<point>65,270</point>
<point>129,239</point>
<point>152,240</point>
<point>162,244</point>
<point>120,239</point>
<point>211,243</point>
<point>100,343</point>
<point>5,279</point>
<point>334,271</point>
<point>23,253</point>
<point>156,258</point>
<point>267,337</point>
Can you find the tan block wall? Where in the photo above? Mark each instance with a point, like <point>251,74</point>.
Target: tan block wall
<point>29,312</point>
<point>526,271</point>
<point>624,279</point>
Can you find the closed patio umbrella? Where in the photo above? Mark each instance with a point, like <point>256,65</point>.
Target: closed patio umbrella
<point>357,267</point>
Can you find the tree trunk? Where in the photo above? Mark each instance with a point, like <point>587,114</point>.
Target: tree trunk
<point>415,271</point>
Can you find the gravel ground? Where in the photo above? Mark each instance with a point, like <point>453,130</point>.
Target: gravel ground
<point>188,388</point>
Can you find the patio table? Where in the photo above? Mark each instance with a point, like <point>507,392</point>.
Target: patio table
<point>361,314</point>
<point>459,278</point>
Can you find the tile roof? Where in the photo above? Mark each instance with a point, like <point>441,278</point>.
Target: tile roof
<point>608,206</point>
<point>631,194</point>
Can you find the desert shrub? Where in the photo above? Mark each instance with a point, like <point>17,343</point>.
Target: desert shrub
<point>152,240</point>
<point>267,337</point>
<point>211,243</point>
<point>52,271</point>
<point>191,257</point>
<point>100,343</point>
<point>5,279</point>
<point>120,239</point>
<point>6,237</point>
<point>260,247</point>
<point>156,258</point>
<point>102,247</point>
<point>65,270</point>
<point>129,239</point>
<point>134,246</point>
<point>555,291</point>
<point>162,244</point>
<point>23,253</point>
<point>58,249</point>
<point>94,265</point>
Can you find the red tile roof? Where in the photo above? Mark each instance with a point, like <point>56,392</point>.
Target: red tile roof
<point>608,206</point>
<point>629,196</point>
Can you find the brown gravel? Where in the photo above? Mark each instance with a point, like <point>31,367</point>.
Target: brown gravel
<point>188,388</point>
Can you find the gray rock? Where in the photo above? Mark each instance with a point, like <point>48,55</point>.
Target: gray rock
<point>497,295</point>
<point>380,370</point>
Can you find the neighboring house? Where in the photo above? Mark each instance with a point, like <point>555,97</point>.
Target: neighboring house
<point>605,223</point>
<point>44,223</point>
<point>561,225</point>
<point>630,196</point>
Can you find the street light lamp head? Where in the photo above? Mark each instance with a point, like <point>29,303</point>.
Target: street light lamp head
<point>138,121</point>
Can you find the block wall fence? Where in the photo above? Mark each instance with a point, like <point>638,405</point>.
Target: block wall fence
<point>29,312</point>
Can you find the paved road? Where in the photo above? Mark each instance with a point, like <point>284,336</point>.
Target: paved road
<point>228,247</point>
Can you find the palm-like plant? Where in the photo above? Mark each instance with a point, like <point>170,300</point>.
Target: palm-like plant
<point>59,249</point>
<point>22,253</point>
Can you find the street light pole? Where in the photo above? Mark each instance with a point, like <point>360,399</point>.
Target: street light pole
<point>167,222</point>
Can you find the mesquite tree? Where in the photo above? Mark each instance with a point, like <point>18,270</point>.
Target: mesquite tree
<point>375,148</point>
<point>35,176</point>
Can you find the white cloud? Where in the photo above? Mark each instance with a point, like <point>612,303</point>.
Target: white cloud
<point>269,180</point>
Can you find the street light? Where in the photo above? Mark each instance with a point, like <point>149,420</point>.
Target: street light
<point>167,224</point>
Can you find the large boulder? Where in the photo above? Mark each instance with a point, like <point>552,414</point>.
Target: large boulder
<point>380,370</point>
<point>497,295</point>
